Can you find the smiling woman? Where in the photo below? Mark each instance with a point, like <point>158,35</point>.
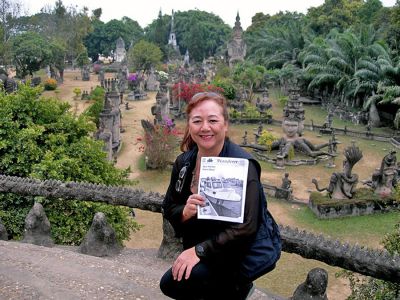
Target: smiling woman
<point>209,266</point>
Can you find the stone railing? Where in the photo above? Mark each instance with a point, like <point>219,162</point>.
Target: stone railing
<point>375,263</point>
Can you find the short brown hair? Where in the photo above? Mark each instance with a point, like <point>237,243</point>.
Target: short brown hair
<point>187,142</point>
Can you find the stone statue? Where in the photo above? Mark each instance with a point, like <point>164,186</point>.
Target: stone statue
<point>37,227</point>
<point>245,138</point>
<point>101,239</point>
<point>384,179</point>
<point>314,288</point>
<point>342,185</point>
<point>300,144</point>
<point>286,182</point>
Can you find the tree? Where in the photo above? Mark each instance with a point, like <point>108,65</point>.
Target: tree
<point>104,36</point>
<point>9,12</point>
<point>144,55</point>
<point>249,76</point>
<point>41,138</point>
<point>339,14</point>
<point>273,46</point>
<point>30,52</point>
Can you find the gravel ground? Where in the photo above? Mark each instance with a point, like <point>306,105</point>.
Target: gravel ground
<point>33,272</point>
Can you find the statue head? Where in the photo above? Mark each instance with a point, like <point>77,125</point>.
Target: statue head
<point>290,128</point>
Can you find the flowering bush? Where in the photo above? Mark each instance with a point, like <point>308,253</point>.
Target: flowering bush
<point>50,84</point>
<point>186,91</point>
<point>132,80</point>
<point>160,144</point>
<point>162,76</point>
<point>266,139</point>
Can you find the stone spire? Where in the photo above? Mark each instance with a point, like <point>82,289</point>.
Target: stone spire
<point>236,46</point>
<point>172,36</point>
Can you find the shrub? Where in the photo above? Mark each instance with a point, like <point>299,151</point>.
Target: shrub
<point>159,146</point>
<point>251,111</point>
<point>50,84</point>
<point>186,91</point>
<point>77,92</point>
<point>266,139</point>
<point>228,87</point>
<point>44,140</point>
<point>95,109</point>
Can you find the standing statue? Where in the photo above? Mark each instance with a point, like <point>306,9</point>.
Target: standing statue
<point>342,185</point>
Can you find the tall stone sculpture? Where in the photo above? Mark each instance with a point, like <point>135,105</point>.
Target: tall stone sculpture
<point>342,185</point>
<point>236,46</point>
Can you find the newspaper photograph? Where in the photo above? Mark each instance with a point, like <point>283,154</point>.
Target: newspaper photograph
<point>222,182</point>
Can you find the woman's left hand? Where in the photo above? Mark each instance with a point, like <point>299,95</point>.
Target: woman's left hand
<point>184,264</point>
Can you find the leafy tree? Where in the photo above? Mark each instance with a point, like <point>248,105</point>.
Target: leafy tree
<point>41,138</point>
<point>339,14</point>
<point>30,52</point>
<point>249,76</point>
<point>274,46</point>
<point>104,36</point>
<point>9,12</point>
<point>200,32</point>
<point>144,55</point>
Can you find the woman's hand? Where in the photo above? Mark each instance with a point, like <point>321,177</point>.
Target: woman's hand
<point>190,209</point>
<point>184,264</point>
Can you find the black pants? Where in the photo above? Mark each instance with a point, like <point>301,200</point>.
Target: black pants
<point>205,282</point>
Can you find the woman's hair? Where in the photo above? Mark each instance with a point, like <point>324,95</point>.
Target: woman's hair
<point>187,142</point>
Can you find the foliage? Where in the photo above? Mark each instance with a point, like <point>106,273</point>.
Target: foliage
<point>144,55</point>
<point>229,89</point>
<point>249,76</point>
<point>159,146</point>
<point>251,111</point>
<point>266,139</point>
<point>41,139</point>
<point>77,91</point>
<point>30,53</point>
<point>186,91</point>
<point>50,84</point>
<point>104,36</point>
<point>82,59</point>
<point>93,112</point>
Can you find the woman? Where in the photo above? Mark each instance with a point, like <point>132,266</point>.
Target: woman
<point>208,268</point>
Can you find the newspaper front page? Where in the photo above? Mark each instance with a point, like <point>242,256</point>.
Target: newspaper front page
<point>222,182</point>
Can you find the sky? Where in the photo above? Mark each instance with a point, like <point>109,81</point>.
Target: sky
<point>145,11</point>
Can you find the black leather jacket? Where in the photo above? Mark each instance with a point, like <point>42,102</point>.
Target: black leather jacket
<point>222,241</point>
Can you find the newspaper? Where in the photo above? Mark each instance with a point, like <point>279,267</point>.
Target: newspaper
<point>222,182</point>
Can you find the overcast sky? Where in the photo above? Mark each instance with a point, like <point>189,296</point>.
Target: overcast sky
<point>145,11</point>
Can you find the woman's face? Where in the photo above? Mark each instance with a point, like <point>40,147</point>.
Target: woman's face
<point>208,127</point>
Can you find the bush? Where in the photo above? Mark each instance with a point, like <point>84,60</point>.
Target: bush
<point>77,92</point>
<point>50,84</point>
<point>251,111</point>
<point>228,87</point>
<point>266,139</point>
<point>159,146</point>
<point>42,139</point>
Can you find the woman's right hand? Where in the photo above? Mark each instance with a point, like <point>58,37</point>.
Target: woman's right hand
<point>190,209</point>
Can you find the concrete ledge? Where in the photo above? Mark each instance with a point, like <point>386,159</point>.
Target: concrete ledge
<point>33,272</point>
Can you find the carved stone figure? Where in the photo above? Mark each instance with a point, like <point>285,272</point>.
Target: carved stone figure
<point>314,288</point>
<point>300,144</point>
<point>384,179</point>
<point>37,227</point>
<point>236,46</point>
<point>286,182</point>
<point>342,185</point>
<point>101,239</point>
